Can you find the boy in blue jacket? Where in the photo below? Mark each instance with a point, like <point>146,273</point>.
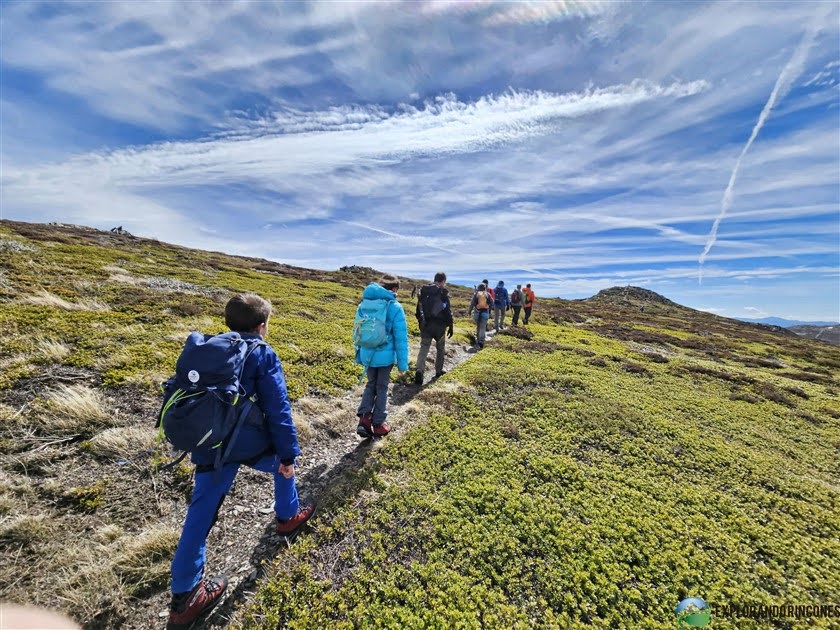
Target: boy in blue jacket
<point>373,409</point>
<point>268,445</point>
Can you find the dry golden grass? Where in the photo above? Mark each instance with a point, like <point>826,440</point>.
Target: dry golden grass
<point>7,412</point>
<point>8,504</point>
<point>90,585</point>
<point>182,328</point>
<point>122,441</point>
<point>25,530</point>
<point>109,533</point>
<point>83,285</point>
<point>121,357</point>
<point>16,495</point>
<point>304,430</point>
<point>92,575</point>
<point>132,330</point>
<point>149,379</point>
<point>75,409</point>
<point>115,269</point>
<point>312,414</point>
<point>53,351</point>
<point>144,561</point>
<point>118,274</point>
<point>45,298</point>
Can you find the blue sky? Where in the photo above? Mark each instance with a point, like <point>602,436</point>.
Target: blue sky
<point>689,148</point>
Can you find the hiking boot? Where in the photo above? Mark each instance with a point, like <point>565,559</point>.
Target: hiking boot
<point>481,346</point>
<point>364,428</point>
<point>381,430</point>
<point>439,374</point>
<point>185,609</point>
<point>292,526</point>
<point>418,378</point>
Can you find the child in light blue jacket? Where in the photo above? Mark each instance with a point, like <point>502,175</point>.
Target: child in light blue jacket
<point>373,409</point>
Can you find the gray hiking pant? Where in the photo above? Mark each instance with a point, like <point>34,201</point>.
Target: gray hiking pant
<point>425,345</point>
<point>499,317</point>
<point>375,398</point>
<point>481,318</point>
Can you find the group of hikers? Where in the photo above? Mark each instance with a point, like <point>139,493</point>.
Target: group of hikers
<point>262,434</point>
<point>499,302</point>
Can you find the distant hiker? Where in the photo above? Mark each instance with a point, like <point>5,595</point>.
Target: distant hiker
<point>486,283</point>
<point>530,298</point>
<point>481,304</point>
<point>380,335</point>
<point>501,303</point>
<point>266,441</point>
<point>435,318</point>
<point>516,303</point>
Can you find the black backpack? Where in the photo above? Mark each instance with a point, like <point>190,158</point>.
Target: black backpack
<point>204,405</point>
<point>431,302</point>
<point>516,297</point>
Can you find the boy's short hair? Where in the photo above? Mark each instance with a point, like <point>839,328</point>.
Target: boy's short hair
<point>246,311</point>
<point>528,285</point>
<point>486,282</point>
<point>389,281</point>
<point>440,277</point>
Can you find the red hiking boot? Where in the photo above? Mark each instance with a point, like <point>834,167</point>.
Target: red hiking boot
<point>364,428</point>
<point>184,610</point>
<point>292,526</point>
<point>381,430</point>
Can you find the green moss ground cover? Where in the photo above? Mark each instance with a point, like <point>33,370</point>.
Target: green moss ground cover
<point>549,492</point>
<point>621,454</point>
<point>151,296</point>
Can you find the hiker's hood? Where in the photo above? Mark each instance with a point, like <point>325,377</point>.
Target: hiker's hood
<point>375,291</point>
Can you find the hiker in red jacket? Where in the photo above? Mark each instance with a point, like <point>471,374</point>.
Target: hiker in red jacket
<point>530,298</point>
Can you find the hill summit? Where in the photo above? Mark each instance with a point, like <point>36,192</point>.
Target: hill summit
<point>629,295</point>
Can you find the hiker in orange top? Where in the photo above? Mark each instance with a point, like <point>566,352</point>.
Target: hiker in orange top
<point>481,303</point>
<point>530,298</point>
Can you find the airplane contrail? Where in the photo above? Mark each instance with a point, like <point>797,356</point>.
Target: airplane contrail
<point>789,74</point>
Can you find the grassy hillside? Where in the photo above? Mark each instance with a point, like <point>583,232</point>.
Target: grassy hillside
<point>620,454</point>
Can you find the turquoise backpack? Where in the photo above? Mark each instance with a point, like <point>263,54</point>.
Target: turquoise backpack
<point>370,328</point>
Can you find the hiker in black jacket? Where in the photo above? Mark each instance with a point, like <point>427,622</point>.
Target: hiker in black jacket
<point>435,318</point>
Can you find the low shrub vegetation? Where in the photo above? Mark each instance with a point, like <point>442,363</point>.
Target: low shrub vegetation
<point>591,470</point>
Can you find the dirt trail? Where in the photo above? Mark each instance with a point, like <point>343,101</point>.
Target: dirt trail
<point>243,538</point>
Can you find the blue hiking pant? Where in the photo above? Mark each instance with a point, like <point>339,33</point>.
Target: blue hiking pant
<point>209,492</point>
<point>480,318</point>
<point>375,397</point>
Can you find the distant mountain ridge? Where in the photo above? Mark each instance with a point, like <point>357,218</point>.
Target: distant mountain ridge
<point>784,323</point>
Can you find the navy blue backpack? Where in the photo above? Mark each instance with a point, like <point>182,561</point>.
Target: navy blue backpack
<point>204,404</point>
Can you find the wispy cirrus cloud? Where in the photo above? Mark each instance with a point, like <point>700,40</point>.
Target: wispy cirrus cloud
<point>789,74</point>
<point>354,135</point>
